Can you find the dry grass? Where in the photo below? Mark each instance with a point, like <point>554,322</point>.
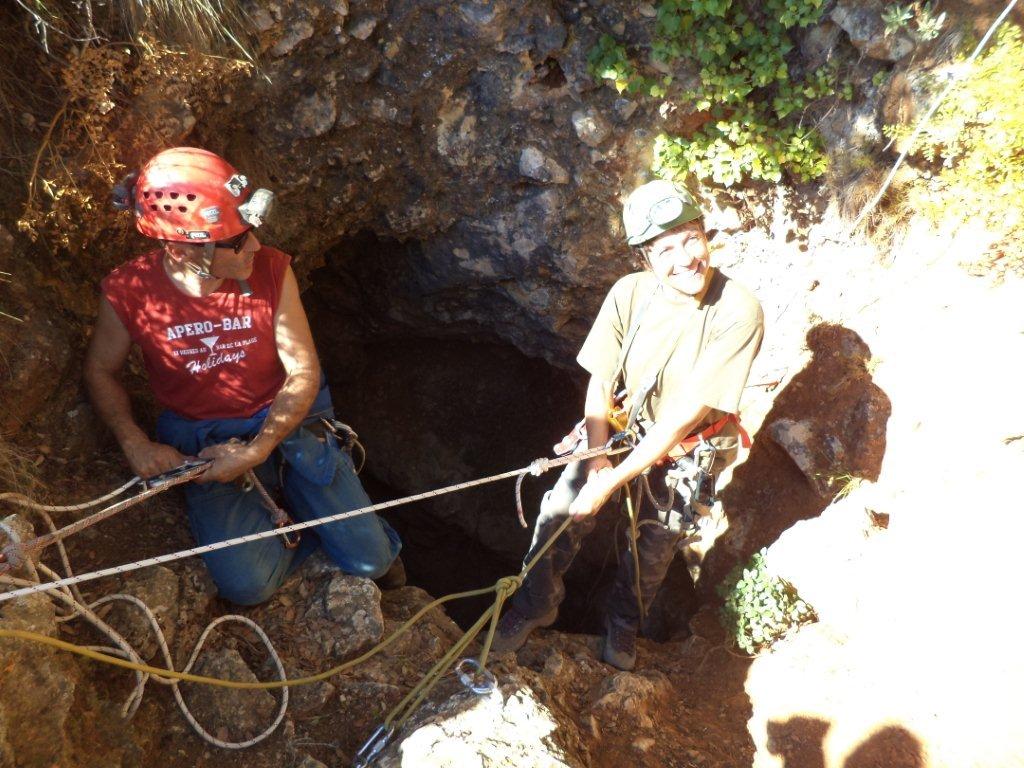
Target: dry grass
<point>886,225</point>
<point>17,472</point>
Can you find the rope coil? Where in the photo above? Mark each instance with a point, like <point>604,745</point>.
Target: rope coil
<point>480,680</point>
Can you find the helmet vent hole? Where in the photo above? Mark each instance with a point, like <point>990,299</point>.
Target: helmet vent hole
<point>145,193</point>
<point>167,207</point>
<point>182,208</point>
<point>153,207</point>
<point>174,195</point>
<point>159,194</point>
<point>190,197</point>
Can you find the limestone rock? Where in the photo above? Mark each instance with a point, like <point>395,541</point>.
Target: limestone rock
<point>852,131</point>
<point>591,128</point>
<point>505,728</point>
<point>862,21</point>
<point>813,452</point>
<point>158,588</point>
<point>37,688</point>
<point>344,616</point>
<point>230,714</point>
<point>823,556</point>
<point>630,700</point>
<point>819,42</point>
<point>298,31</point>
<point>363,27</point>
<point>534,164</point>
<point>314,115</point>
<point>17,530</point>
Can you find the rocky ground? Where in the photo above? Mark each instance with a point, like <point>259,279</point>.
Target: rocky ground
<point>452,175</point>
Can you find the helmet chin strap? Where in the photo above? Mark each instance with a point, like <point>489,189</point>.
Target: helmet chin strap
<point>202,269</point>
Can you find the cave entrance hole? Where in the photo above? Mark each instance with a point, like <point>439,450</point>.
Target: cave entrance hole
<point>436,405</point>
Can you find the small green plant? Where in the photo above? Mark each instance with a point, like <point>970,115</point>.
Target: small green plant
<point>928,24</point>
<point>745,84</point>
<point>759,607</point>
<point>897,17</point>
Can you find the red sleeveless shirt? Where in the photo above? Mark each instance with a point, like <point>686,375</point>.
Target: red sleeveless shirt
<point>210,357</point>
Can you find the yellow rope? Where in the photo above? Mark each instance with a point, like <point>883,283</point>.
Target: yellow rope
<point>168,674</point>
<point>633,525</point>
<point>503,589</point>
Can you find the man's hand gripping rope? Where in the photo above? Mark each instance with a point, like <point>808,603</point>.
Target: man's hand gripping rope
<point>539,466</point>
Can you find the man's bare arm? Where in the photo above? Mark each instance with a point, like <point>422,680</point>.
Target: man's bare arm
<point>595,411</point>
<point>104,361</point>
<point>672,427</point>
<point>302,370</point>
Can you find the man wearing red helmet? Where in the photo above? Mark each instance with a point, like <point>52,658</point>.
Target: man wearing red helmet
<point>230,358</point>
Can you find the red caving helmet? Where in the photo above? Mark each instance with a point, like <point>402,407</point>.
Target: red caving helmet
<point>191,195</point>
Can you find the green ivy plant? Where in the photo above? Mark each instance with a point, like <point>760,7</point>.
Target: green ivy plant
<point>759,607</point>
<point>745,84</point>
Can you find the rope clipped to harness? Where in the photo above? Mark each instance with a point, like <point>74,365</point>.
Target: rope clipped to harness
<point>539,466</point>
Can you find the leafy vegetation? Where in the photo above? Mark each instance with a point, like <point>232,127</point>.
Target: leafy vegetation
<point>898,17</point>
<point>975,145</point>
<point>755,103</point>
<point>81,135</point>
<point>759,607</point>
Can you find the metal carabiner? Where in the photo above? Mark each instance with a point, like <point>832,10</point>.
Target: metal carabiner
<point>291,539</point>
<point>479,680</point>
<point>173,474</point>
<point>373,746</point>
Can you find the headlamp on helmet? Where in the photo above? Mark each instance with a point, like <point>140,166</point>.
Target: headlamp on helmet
<point>655,208</point>
<point>257,208</point>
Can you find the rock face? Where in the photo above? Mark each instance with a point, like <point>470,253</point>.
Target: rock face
<point>862,21</point>
<point>37,683</point>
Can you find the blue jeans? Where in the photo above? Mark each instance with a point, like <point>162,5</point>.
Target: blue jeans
<point>316,479</point>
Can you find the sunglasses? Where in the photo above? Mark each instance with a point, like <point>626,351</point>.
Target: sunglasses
<point>235,243</point>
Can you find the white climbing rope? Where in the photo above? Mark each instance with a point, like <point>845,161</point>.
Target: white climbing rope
<point>535,468</point>
<point>69,596</point>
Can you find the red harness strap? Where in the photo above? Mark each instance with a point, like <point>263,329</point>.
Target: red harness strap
<point>692,441</point>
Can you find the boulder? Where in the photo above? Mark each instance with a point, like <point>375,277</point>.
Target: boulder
<point>505,728</point>
<point>344,616</point>
<point>229,714</point>
<point>862,21</point>
<point>158,588</point>
<point>37,688</point>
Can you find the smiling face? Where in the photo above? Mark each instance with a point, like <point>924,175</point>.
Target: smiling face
<point>680,258</point>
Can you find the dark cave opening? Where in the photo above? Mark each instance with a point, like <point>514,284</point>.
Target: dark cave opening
<point>436,405</point>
